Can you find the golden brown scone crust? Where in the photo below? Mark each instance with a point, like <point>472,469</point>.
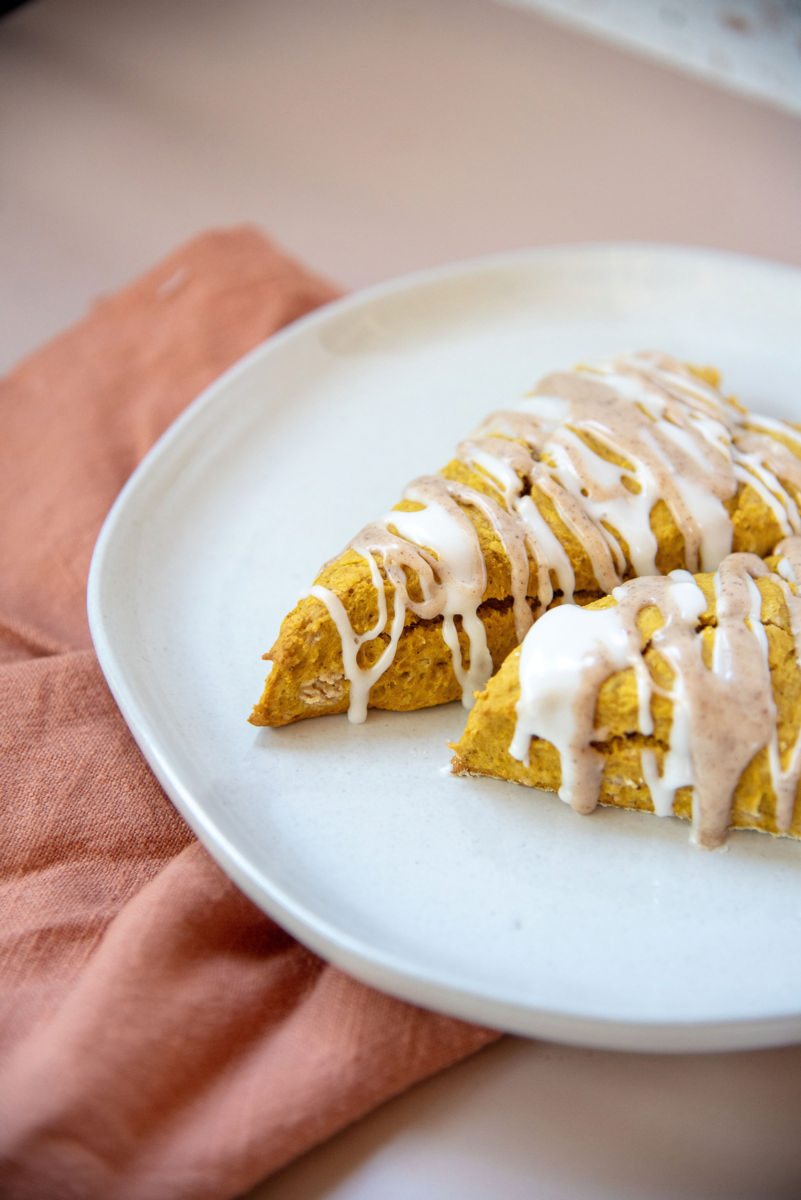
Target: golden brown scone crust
<point>483,747</point>
<point>308,678</point>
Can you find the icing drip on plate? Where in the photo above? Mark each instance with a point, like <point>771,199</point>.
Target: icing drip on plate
<point>723,712</point>
<point>602,444</point>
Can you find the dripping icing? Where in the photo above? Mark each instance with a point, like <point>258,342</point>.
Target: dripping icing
<point>603,444</point>
<point>722,713</point>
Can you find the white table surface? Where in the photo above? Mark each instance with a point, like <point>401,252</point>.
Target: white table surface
<point>373,138</point>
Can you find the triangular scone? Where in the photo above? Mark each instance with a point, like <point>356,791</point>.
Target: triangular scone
<point>633,466</point>
<point>678,694</point>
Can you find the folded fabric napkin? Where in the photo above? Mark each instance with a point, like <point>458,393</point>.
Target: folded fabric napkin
<point>159,1036</point>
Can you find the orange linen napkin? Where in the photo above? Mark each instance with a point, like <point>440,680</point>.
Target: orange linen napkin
<point>159,1036</point>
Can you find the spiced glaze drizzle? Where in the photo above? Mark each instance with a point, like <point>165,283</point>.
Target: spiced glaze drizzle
<point>722,714</point>
<point>604,443</point>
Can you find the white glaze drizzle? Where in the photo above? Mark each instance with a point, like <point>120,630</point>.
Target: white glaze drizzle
<point>789,565</point>
<point>362,678</point>
<point>678,439</point>
<point>722,715</point>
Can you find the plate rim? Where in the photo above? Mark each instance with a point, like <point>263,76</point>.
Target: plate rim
<point>387,972</point>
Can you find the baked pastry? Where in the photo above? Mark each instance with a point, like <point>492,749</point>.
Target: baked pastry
<point>677,694</point>
<point>633,466</point>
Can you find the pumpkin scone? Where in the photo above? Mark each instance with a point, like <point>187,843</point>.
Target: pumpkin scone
<point>634,466</point>
<point>677,695</point>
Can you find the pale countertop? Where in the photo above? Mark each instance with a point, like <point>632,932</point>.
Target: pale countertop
<point>372,139</point>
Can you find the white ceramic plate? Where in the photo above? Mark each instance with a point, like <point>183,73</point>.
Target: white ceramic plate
<point>486,901</point>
